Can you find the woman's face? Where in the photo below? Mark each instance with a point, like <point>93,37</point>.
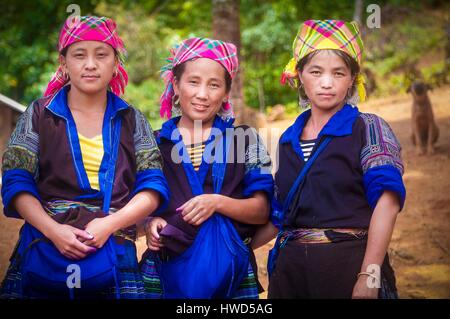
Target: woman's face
<point>90,65</point>
<point>326,80</point>
<point>201,89</point>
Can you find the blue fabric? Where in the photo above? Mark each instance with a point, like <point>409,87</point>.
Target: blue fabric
<point>258,180</point>
<point>382,178</point>
<point>340,124</point>
<point>153,179</point>
<point>217,261</point>
<point>15,181</point>
<point>45,270</point>
<point>276,213</point>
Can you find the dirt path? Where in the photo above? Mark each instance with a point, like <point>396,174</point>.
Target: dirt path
<point>420,247</point>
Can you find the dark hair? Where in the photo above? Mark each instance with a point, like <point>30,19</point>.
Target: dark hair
<point>351,63</point>
<point>64,51</point>
<point>179,70</point>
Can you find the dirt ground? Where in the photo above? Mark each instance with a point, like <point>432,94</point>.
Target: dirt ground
<point>420,246</point>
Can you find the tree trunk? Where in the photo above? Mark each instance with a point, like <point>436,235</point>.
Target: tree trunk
<point>357,15</point>
<point>226,27</point>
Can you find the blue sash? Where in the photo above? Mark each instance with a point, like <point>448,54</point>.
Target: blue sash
<point>217,261</point>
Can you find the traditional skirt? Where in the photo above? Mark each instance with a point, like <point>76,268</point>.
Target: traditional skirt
<point>131,284</point>
<point>324,263</point>
<point>248,289</point>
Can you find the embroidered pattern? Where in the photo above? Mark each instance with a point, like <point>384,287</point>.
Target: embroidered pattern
<point>147,152</point>
<point>256,155</point>
<point>382,147</point>
<point>23,146</point>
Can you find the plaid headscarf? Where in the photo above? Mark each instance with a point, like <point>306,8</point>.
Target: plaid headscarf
<point>193,48</point>
<point>90,28</point>
<point>326,35</point>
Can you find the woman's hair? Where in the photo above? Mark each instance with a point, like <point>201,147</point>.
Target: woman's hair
<point>348,60</point>
<point>178,71</point>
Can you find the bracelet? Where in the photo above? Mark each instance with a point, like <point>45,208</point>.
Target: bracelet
<point>368,274</point>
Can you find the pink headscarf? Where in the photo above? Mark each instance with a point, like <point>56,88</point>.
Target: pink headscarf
<point>90,28</point>
<point>221,52</point>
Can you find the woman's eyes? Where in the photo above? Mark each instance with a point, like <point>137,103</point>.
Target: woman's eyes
<point>211,85</point>
<point>82,55</point>
<point>338,74</point>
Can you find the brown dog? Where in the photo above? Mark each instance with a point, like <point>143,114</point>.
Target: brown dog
<point>424,129</point>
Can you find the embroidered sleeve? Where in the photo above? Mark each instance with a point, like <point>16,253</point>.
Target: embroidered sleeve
<point>258,166</point>
<point>20,161</point>
<point>149,161</point>
<point>381,160</point>
<point>146,150</point>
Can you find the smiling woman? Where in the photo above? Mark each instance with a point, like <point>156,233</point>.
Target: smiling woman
<point>198,246</point>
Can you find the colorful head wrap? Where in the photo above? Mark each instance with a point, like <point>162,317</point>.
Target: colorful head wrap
<point>326,35</point>
<point>193,48</point>
<point>90,28</point>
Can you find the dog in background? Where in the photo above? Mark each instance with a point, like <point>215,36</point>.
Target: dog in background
<point>424,129</point>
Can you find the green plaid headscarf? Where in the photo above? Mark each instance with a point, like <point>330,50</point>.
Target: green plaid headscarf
<point>326,35</point>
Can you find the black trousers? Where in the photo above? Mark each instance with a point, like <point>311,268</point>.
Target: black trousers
<point>324,271</point>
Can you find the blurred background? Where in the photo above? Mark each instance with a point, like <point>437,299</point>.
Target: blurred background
<point>404,41</point>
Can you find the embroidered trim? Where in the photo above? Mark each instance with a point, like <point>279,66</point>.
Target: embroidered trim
<point>382,147</point>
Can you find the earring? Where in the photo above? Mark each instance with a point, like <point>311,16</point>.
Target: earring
<point>115,73</point>
<point>176,108</point>
<point>175,101</point>
<point>65,77</point>
<point>303,103</point>
<point>352,99</point>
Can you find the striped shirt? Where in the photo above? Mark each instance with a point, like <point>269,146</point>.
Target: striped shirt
<point>307,147</point>
<point>195,152</point>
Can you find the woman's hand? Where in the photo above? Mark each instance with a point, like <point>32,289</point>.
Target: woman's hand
<point>198,209</point>
<point>69,241</point>
<point>100,229</point>
<point>152,229</point>
<point>361,290</point>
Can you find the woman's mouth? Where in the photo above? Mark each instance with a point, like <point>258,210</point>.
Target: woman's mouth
<point>200,107</point>
<point>90,77</point>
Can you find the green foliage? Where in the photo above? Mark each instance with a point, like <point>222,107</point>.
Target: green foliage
<point>29,32</point>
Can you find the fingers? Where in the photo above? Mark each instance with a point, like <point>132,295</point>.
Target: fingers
<point>154,244</point>
<point>187,207</point>
<point>154,230</point>
<point>82,234</point>
<point>197,218</point>
<point>192,216</point>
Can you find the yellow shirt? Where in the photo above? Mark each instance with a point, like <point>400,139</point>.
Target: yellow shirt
<point>92,154</point>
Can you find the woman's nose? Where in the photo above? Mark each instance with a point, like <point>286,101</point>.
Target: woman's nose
<point>326,81</point>
<point>202,92</point>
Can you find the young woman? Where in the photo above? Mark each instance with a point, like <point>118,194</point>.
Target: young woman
<point>81,153</point>
<point>335,222</point>
<point>203,202</point>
